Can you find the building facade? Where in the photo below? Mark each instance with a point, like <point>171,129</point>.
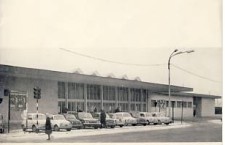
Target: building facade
<point>79,92</point>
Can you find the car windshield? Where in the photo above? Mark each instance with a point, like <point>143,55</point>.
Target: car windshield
<point>126,115</point>
<point>59,117</point>
<point>70,116</point>
<point>84,115</point>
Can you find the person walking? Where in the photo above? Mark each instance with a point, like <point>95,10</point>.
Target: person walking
<point>103,119</point>
<point>48,127</point>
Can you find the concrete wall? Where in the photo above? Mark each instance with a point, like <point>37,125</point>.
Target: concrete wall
<point>187,112</point>
<point>47,104</point>
<point>208,107</point>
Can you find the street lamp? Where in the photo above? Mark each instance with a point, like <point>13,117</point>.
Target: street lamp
<point>175,52</point>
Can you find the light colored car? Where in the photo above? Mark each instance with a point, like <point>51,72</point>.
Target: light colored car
<point>74,121</point>
<point>119,122</point>
<point>58,122</point>
<point>88,120</point>
<point>140,118</point>
<point>30,122</point>
<point>161,118</point>
<point>126,118</point>
<point>109,121</point>
<point>148,116</point>
<point>2,128</point>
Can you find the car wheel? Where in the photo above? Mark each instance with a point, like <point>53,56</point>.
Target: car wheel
<point>113,126</point>
<point>167,123</point>
<point>155,123</point>
<point>95,127</point>
<point>34,128</point>
<point>56,128</point>
<point>148,122</point>
<point>121,125</point>
<point>159,122</point>
<point>144,124</point>
<point>69,129</point>
<point>134,124</point>
<point>23,128</point>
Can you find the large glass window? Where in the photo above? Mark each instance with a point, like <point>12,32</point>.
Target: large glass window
<point>61,90</point>
<point>75,91</point>
<point>123,106</point>
<point>145,95</point>
<point>93,92</point>
<point>109,107</point>
<point>189,104</point>
<point>61,105</point>
<point>123,94</point>
<point>93,106</point>
<point>135,95</point>
<point>109,93</point>
<point>179,104</point>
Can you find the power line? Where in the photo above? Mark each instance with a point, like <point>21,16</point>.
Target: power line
<point>194,74</point>
<point>110,61</point>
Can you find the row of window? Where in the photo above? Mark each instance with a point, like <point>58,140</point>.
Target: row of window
<point>175,104</point>
<point>76,91</point>
<point>96,106</point>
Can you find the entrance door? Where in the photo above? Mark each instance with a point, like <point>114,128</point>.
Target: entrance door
<point>197,105</point>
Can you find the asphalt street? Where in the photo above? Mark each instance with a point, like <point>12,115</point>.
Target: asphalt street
<point>190,132</point>
<point>198,132</point>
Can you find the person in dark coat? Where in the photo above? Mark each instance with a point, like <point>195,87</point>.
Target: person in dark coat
<point>103,118</point>
<point>48,127</point>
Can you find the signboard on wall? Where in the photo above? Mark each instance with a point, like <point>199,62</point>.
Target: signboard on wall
<point>18,101</point>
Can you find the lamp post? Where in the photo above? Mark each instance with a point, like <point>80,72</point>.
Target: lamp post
<point>175,52</point>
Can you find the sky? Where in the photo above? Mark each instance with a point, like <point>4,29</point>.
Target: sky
<point>142,32</point>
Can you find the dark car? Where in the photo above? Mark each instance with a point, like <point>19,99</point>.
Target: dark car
<point>87,120</point>
<point>74,121</point>
<point>109,121</point>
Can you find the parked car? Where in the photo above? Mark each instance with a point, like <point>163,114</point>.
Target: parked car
<point>119,122</point>
<point>161,118</point>
<point>87,120</point>
<point>2,127</point>
<point>140,119</point>
<point>74,121</point>
<point>58,122</point>
<point>126,118</point>
<point>30,122</point>
<point>109,121</point>
<point>148,116</point>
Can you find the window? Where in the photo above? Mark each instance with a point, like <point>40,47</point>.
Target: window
<point>123,94</point>
<point>61,105</point>
<point>93,92</point>
<point>189,104</point>
<point>179,104</point>
<point>109,93</point>
<point>145,95</point>
<point>61,90</point>
<point>153,103</point>
<point>185,104</point>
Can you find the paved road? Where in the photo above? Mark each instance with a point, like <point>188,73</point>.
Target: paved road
<point>199,132</point>
<point>196,132</point>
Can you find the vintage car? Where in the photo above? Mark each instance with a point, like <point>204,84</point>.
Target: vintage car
<point>126,118</point>
<point>34,121</point>
<point>74,121</point>
<point>140,119</point>
<point>109,121</point>
<point>2,127</point>
<point>87,120</point>
<point>148,116</point>
<point>161,118</point>
<point>58,122</point>
<point>119,122</point>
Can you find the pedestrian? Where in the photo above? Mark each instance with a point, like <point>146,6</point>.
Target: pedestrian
<point>103,118</point>
<point>48,127</point>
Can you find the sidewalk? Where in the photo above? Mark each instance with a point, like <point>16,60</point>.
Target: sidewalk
<point>20,136</point>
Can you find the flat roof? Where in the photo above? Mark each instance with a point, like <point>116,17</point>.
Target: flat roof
<point>22,72</point>
<point>185,94</point>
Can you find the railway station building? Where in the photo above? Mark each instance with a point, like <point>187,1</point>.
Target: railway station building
<point>80,92</point>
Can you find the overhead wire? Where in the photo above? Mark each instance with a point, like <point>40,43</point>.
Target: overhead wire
<point>142,65</point>
<point>110,61</point>
<point>194,74</point>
